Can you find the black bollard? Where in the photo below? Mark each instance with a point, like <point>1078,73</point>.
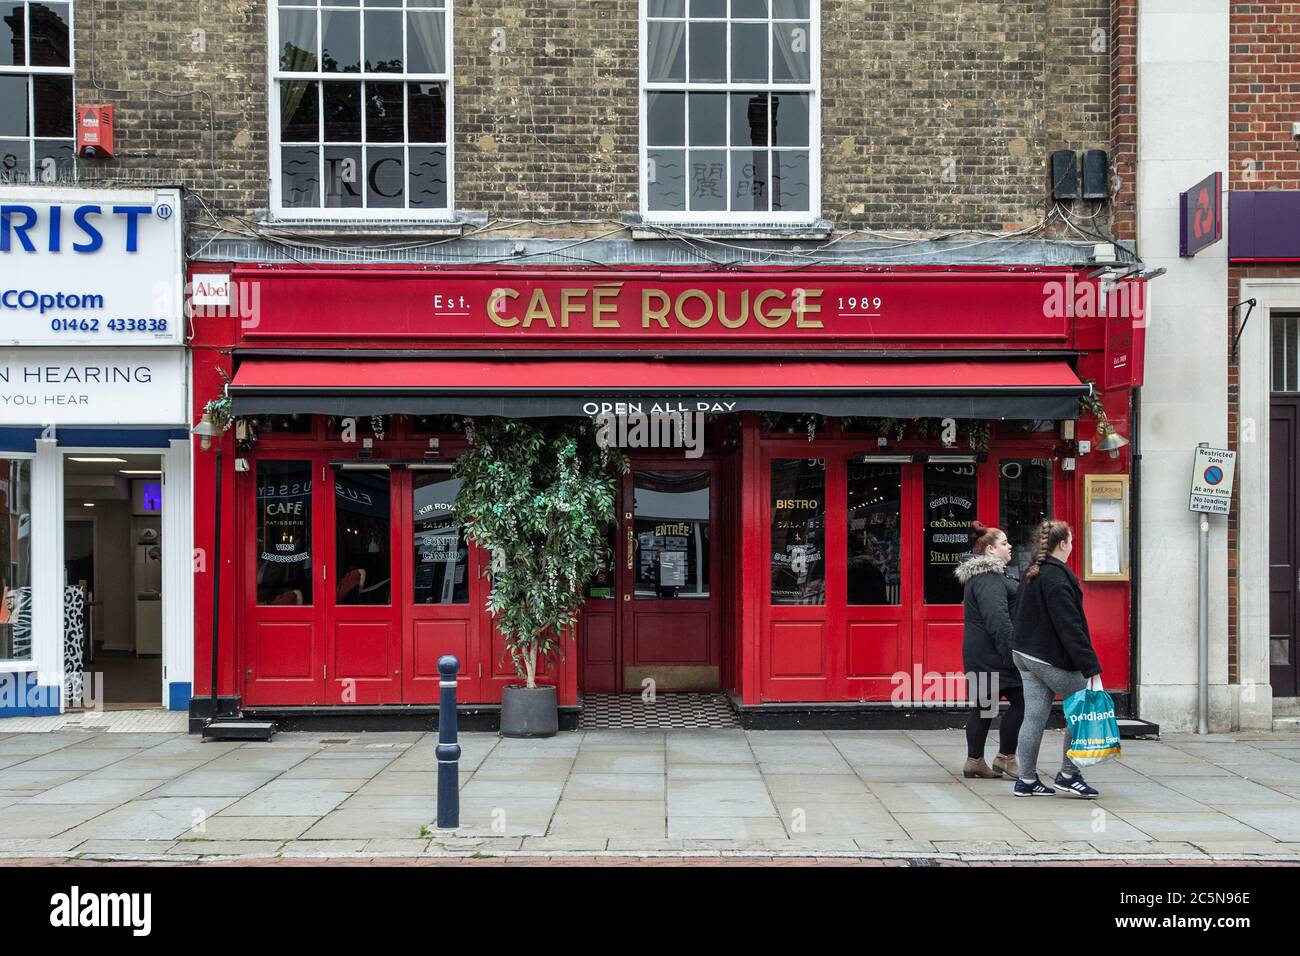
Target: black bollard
<point>448,749</point>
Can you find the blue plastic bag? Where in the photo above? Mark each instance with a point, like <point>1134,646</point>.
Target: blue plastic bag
<point>1094,730</point>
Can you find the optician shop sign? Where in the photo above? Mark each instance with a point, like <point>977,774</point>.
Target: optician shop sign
<point>91,267</point>
<point>92,387</point>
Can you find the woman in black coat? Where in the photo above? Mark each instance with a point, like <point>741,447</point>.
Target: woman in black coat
<point>989,599</point>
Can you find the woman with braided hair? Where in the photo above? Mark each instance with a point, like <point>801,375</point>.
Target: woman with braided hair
<point>1052,648</point>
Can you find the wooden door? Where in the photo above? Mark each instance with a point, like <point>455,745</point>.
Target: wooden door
<point>1284,563</point>
<point>669,578</point>
<point>363,582</point>
<point>441,592</point>
<point>283,591</point>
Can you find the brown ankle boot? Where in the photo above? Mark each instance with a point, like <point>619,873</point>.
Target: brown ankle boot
<point>1006,764</point>
<point>976,767</point>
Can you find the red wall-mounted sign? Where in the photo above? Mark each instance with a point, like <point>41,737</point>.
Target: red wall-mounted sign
<point>540,308</point>
<point>1201,220</point>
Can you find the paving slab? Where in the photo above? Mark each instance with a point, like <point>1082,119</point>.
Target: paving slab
<point>623,818</point>
<point>148,767</point>
<point>1190,827</point>
<point>237,847</point>
<point>615,786</point>
<point>32,846</point>
<point>207,782</point>
<point>399,801</point>
<point>959,826</point>
<point>35,744</point>
<point>225,826</point>
<point>1215,791</point>
<point>369,825</point>
<point>815,786</point>
<point>323,768</point>
<point>489,789</point>
<point>555,769</point>
<point>718,798</point>
<point>730,829</point>
<point>123,847</point>
<point>1108,828</point>
<point>85,790</point>
<point>929,798</point>
<point>273,800</point>
<point>157,819</point>
<point>29,782</point>
<point>714,771</point>
<point>619,761</point>
<point>1145,797</point>
<point>44,820</point>
<point>70,758</point>
<point>316,848</point>
<point>1280,823</point>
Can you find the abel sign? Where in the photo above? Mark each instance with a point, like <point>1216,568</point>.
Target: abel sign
<point>90,267</point>
<point>1212,481</point>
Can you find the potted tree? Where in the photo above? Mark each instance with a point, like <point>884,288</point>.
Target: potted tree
<point>537,495</point>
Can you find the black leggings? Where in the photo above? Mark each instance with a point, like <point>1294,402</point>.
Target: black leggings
<point>977,727</point>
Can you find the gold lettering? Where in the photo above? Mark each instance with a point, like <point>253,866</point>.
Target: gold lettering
<point>804,307</point>
<point>681,314</point>
<point>744,310</point>
<point>496,308</point>
<point>568,307</point>
<point>600,294</point>
<point>660,315</point>
<point>539,308</point>
<point>779,316</point>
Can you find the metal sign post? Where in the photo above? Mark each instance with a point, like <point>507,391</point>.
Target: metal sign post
<point>1211,493</point>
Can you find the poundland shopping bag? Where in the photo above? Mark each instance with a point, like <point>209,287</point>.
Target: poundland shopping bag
<point>1094,731</point>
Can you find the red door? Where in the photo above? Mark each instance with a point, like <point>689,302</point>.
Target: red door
<point>442,581</point>
<point>284,592</point>
<point>363,584</point>
<point>669,578</point>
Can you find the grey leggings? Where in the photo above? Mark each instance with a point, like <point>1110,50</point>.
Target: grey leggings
<point>1042,683</point>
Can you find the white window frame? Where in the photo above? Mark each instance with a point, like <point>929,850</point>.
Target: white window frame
<point>275,75</point>
<point>13,665</point>
<point>813,87</point>
<point>30,72</point>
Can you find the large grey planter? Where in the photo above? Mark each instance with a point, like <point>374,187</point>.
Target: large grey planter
<point>529,713</point>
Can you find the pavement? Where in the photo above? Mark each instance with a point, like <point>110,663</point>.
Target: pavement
<point>81,794</point>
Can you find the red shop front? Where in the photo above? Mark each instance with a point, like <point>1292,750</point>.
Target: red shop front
<point>797,549</point>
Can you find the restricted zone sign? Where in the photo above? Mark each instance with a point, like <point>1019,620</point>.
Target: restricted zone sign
<point>1212,481</point>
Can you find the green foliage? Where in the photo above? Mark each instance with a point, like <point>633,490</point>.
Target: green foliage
<point>537,494</point>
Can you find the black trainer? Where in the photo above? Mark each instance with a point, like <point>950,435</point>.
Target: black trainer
<point>1035,789</point>
<point>1074,785</point>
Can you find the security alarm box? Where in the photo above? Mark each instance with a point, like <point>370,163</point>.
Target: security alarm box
<point>95,131</point>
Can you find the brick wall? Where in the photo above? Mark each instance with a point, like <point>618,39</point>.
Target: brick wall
<point>936,114</point>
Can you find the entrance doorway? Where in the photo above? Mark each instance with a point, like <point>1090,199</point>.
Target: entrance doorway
<point>112,563</point>
<point>1284,523</point>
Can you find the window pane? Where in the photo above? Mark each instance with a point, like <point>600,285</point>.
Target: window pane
<point>299,111</point>
<point>790,8</point>
<point>1024,502</point>
<point>50,45</point>
<point>708,8</point>
<point>708,179</point>
<point>16,558</point>
<point>52,101</point>
<point>790,45</point>
<point>875,548</point>
<point>340,41</point>
<point>1279,341</point>
<point>601,584</point>
<point>428,173</point>
<point>13,106</point>
<point>427,103</point>
<point>666,8</point>
<point>666,54</point>
<point>383,42</point>
<point>342,112</point>
<point>343,177</point>
<point>749,180</point>
<point>12,33</point>
<point>666,119</point>
<point>440,549</point>
<point>749,8</point>
<point>15,161</point>
<point>950,501</point>
<point>54,160</point>
<point>708,52</point>
<point>284,567</point>
<point>385,122</point>
<point>748,52</point>
<point>666,179</point>
<point>300,176</point>
<point>385,177</point>
<point>426,43</point>
<point>362,538</point>
<point>708,119</point>
<point>790,119</point>
<point>748,119</point>
<point>671,524</point>
<point>298,40</point>
<point>791,182</point>
<point>798,515</point>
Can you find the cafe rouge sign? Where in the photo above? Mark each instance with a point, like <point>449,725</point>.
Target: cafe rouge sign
<point>396,303</point>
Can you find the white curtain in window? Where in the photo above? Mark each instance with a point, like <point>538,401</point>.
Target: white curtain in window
<point>793,47</point>
<point>665,38</point>
<point>427,32</point>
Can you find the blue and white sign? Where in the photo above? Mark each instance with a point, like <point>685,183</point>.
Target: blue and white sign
<point>91,267</point>
<point>118,386</point>
<point>1212,473</point>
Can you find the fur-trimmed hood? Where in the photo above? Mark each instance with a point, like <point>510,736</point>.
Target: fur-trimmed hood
<point>978,564</point>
